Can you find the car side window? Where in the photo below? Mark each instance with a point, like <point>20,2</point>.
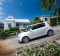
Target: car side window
<point>38,26</point>
<point>34,27</point>
<point>41,25</point>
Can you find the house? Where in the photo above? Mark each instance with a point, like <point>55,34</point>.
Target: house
<point>11,22</point>
<point>45,18</point>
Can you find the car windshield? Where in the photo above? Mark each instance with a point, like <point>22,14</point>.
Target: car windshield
<point>30,27</point>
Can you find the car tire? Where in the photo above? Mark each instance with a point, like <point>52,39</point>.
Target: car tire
<point>50,33</point>
<point>25,39</point>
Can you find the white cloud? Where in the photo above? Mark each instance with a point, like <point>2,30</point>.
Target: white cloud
<point>1,2</point>
<point>1,9</point>
<point>4,1</point>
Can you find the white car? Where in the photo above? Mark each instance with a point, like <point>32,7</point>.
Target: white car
<point>34,31</point>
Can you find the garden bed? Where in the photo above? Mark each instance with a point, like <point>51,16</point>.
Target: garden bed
<point>46,49</point>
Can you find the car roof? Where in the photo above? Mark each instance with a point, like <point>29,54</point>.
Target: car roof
<point>38,23</point>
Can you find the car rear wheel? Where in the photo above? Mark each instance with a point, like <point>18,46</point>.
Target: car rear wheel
<point>50,33</point>
<point>25,39</point>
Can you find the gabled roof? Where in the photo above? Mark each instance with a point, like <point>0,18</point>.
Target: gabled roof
<point>21,20</point>
<point>10,18</point>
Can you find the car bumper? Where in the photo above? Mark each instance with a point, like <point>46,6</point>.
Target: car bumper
<point>19,40</point>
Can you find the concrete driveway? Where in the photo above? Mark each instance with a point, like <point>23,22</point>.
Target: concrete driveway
<point>9,46</point>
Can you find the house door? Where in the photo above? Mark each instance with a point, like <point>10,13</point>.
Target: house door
<point>9,25</point>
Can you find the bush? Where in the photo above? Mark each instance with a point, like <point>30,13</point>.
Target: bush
<point>52,21</point>
<point>1,25</point>
<point>49,49</point>
<point>6,33</point>
<point>14,29</point>
<point>23,29</point>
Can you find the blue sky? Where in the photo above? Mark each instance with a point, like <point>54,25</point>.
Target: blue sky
<point>22,9</point>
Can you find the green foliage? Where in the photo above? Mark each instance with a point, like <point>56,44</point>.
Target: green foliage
<point>36,20</point>
<point>31,23</point>
<point>59,19</point>
<point>52,21</point>
<point>14,29</point>
<point>23,29</point>
<point>1,26</point>
<point>6,33</point>
<point>49,49</point>
<point>47,4</point>
<point>58,11</point>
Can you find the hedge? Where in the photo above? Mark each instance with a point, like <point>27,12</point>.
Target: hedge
<point>6,33</point>
<point>14,28</point>
<point>52,21</point>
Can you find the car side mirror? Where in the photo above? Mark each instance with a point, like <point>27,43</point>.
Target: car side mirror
<point>30,29</point>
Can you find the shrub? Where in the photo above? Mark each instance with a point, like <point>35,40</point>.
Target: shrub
<point>23,29</point>
<point>14,29</point>
<point>52,21</point>
<point>1,25</point>
<point>59,20</point>
<point>6,33</point>
<point>49,49</point>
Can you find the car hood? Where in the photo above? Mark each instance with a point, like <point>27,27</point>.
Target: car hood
<point>21,33</point>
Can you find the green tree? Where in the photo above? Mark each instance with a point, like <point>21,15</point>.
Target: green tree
<point>48,4</point>
<point>37,20</point>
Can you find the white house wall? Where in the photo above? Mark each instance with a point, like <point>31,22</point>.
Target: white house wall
<point>43,18</point>
<point>13,24</point>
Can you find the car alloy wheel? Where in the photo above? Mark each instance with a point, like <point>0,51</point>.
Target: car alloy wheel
<point>25,39</point>
<point>50,33</point>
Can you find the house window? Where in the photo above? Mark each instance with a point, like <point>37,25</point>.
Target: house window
<point>25,25</point>
<point>17,24</point>
<point>9,25</point>
<point>46,19</point>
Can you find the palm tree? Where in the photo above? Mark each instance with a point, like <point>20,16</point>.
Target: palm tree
<point>48,4</point>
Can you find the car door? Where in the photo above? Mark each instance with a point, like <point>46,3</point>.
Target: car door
<point>42,29</point>
<point>34,32</point>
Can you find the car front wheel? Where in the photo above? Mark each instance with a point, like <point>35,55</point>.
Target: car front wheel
<point>25,39</point>
<point>50,33</point>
